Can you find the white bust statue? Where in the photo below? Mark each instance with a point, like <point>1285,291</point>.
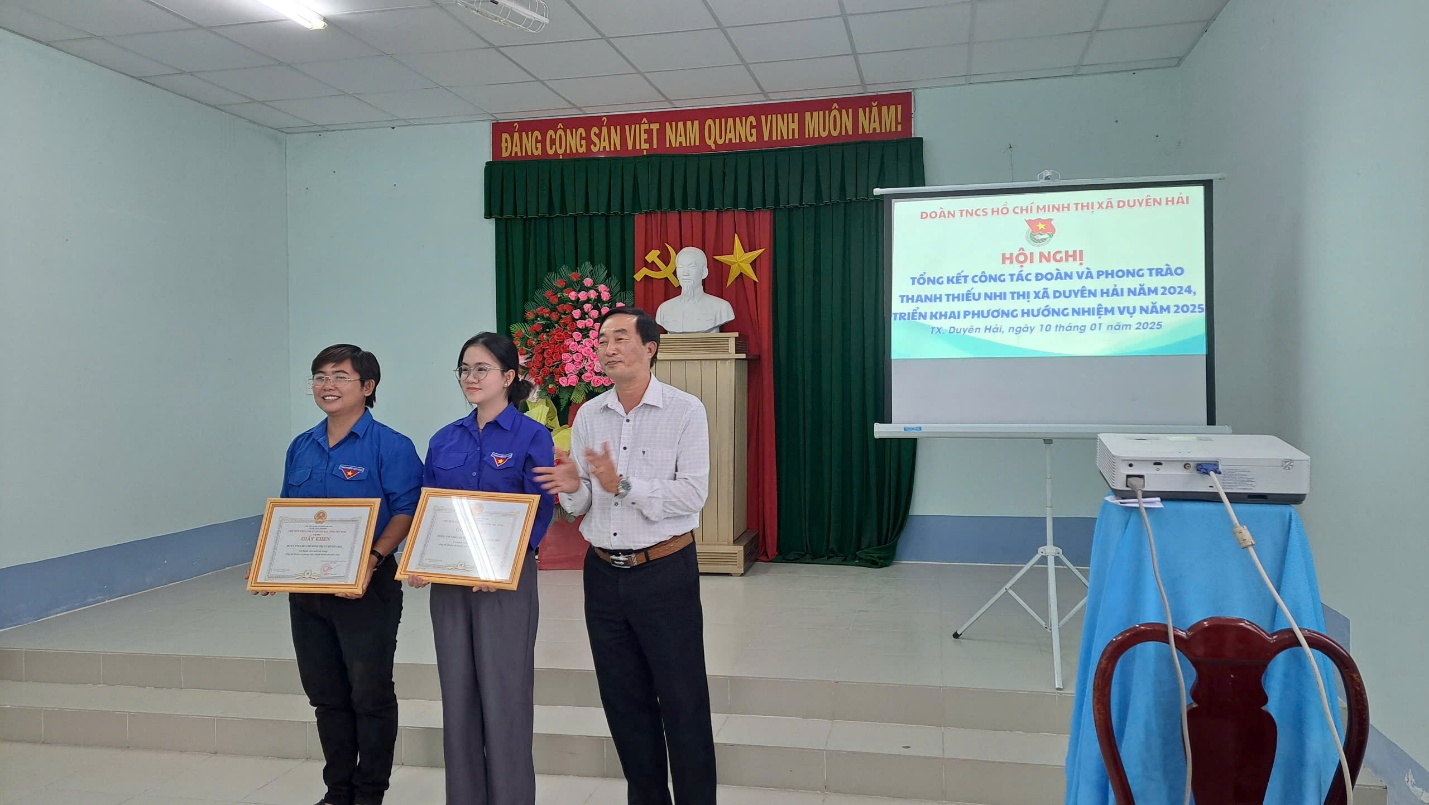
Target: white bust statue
<point>693,311</point>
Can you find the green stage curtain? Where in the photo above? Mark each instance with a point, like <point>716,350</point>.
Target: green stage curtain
<point>527,249</point>
<point>843,496</point>
<point>735,180</point>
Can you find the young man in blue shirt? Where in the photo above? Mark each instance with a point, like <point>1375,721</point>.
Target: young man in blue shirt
<point>345,643</point>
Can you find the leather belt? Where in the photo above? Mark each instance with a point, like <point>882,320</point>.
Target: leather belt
<point>657,551</point>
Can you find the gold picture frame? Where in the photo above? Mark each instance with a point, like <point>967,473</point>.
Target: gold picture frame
<point>469,538</point>
<point>314,545</point>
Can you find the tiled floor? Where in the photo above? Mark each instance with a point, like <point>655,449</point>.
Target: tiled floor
<point>778,629</point>
<point>38,774</point>
<point>892,625</point>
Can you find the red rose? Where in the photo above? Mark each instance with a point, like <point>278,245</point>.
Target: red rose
<point>575,276</point>
<point>560,283</point>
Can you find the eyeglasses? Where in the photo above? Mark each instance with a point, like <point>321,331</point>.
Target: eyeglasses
<point>324,380</point>
<point>462,372</point>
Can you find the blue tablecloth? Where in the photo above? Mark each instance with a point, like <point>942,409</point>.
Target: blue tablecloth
<point>1206,574</point>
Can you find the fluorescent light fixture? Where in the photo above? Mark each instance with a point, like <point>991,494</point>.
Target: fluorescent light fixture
<point>298,13</point>
<point>528,15</point>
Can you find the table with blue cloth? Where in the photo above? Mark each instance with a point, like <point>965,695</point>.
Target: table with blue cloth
<point>1206,574</point>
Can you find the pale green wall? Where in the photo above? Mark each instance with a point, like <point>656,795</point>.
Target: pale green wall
<point>1317,112</point>
<point>143,308</point>
<point>388,249</point>
<point>386,224</point>
<point>1089,127</point>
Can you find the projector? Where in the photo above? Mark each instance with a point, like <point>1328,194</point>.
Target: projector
<point>1253,469</point>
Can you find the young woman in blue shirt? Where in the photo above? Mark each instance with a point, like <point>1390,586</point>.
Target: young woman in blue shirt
<point>485,638</point>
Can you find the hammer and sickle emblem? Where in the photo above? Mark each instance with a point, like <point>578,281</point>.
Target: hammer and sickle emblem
<point>667,270</point>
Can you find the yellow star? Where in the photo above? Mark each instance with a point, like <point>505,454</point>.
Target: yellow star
<point>739,262</point>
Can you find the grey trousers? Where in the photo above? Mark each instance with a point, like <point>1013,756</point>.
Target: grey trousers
<point>486,661</point>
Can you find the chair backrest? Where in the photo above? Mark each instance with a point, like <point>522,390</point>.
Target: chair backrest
<point>1232,736</point>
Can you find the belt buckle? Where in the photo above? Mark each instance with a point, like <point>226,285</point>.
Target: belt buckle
<point>621,560</point>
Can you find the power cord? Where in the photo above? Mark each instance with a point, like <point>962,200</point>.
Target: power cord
<point>1138,483</point>
<point>1245,540</point>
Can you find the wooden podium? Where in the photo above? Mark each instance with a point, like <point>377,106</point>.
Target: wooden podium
<point>714,368</point>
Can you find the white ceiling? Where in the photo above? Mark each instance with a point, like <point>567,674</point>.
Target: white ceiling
<point>403,62</point>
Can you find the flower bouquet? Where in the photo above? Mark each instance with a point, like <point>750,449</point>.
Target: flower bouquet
<point>556,339</point>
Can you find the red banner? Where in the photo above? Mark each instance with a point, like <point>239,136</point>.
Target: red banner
<point>738,246</point>
<point>700,131</point>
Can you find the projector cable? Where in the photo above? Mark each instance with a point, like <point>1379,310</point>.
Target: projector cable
<point>1245,540</point>
<point>1138,483</point>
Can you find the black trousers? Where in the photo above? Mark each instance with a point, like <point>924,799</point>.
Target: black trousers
<point>345,649</point>
<point>646,632</point>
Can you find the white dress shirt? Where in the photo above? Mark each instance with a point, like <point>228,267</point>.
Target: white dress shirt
<point>662,447</point>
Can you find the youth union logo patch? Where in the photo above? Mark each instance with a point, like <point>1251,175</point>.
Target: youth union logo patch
<point>1040,230</point>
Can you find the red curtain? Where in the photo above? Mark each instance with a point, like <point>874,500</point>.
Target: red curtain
<point>714,232</point>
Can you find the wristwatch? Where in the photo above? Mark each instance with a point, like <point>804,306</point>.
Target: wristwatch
<point>381,557</point>
<point>623,488</point>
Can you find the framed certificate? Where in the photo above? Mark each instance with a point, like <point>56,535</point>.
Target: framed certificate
<point>314,545</point>
<point>469,538</point>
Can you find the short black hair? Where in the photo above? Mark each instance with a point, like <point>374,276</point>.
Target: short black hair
<point>503,349</point>
<point>363,362</point>
<point>645,327</point>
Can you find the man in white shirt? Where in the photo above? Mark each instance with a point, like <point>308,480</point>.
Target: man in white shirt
<point>639,471</point>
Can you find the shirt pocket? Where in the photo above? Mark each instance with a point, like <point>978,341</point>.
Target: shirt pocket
<point>656,463</point>
<point>350,473</point>
<point>503,471</point>
<point>305,482</point>
<point>448,470</point>
<point>502,461</point>
<point>449,461</point>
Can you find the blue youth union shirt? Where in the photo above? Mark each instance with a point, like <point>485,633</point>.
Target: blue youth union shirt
<point>372,461</point>
<point>501,458</point>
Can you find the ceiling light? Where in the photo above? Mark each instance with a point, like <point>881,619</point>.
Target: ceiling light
<point>298,13</point>
<point>527,15</point>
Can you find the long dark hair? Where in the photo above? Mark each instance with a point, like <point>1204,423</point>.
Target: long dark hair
<point>503,350</point>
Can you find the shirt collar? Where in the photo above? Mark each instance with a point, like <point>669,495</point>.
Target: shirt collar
<point>506,419</point>
<point>654,395</point>
<point>361,427</point>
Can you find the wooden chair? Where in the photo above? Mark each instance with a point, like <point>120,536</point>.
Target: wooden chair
<point>1232,737</point>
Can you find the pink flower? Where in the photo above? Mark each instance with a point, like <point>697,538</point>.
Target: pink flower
<point>570,294</point>
<point>589,282</point>
<point>605,296</point>
<point>620,304</point>
<point>589,307</point>
<point>603,289</point>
